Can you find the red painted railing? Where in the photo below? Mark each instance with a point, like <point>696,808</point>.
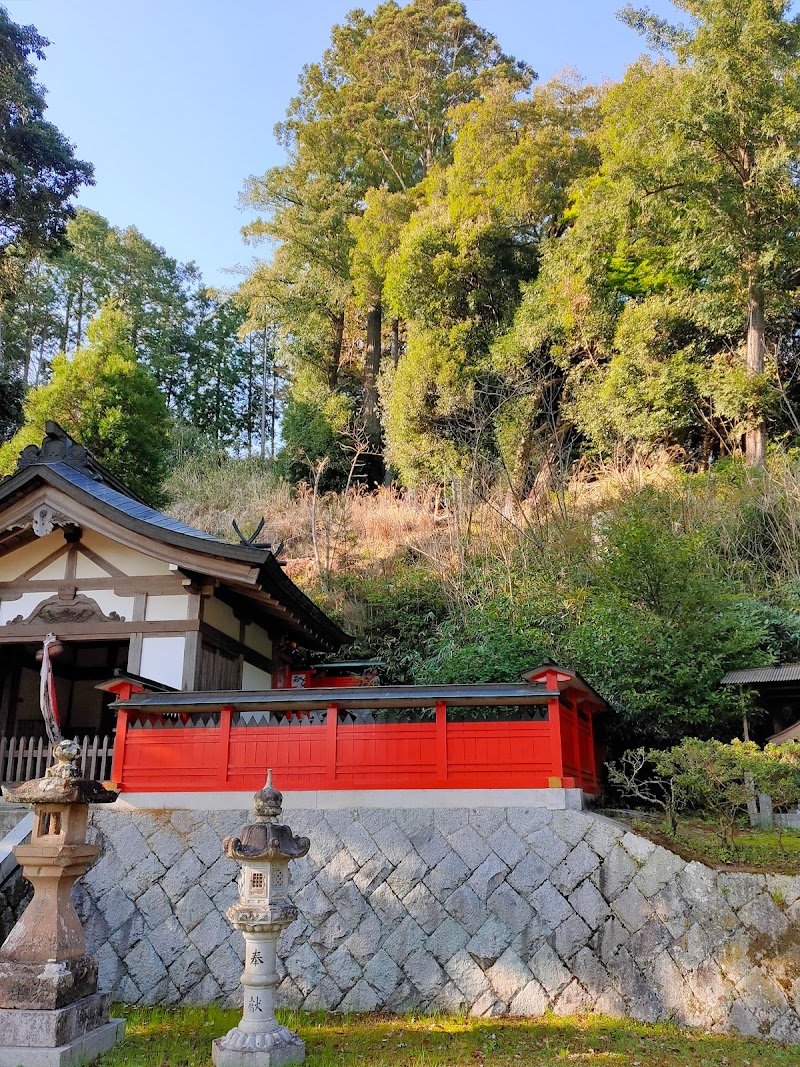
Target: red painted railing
<point>527,737</point>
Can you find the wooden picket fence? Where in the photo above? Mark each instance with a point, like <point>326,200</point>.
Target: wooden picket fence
<point>24,758</point>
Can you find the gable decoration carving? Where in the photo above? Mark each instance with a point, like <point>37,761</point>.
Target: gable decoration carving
<point>67,606</point>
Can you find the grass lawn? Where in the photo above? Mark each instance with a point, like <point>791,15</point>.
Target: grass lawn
<point>160,1037</point>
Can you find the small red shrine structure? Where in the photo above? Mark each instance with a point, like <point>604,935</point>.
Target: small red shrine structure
<point>535,735</point>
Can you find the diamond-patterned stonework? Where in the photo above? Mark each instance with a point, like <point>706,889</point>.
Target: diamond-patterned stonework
<point>491,910</point>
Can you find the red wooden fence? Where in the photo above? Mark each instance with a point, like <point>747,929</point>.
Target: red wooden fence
<point>315,740</point>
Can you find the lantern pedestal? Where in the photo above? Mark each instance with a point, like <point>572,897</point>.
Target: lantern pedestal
<point>51,1014</point>
<point>263,910</point>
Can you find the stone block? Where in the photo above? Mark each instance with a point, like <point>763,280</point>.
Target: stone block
<point>570,826</point>
<point>424,973</point>
<point>306,968</point>
<point>47,985</point>
<point>490,942</point>
<point>468,844</point>
<point>447,875</point>
<point>528,821</point>
<point>587,902</point>
<point>508,975</point>
<point>590,972</point>
<point>572,935</point>
<point>407,938</point>
<point>510,908</point>
<point>326,996</point>
<point>362,997</point>
<point>578,865</point>
<point>407,874</point>
<point>602,834</point>
<point>550,906</point>
<point>631,908</point>
<point>508,846</point>
<point>182,875</point>
<point>42,1028</point>
<point>532,1001</point>
<point>615,873</point>
<point>573,1000</point>
<point>128,844</point>
<point>147,872</point>
<point>549,971</point>
<point>383,974</point>
<point>529,874</point>
<point>343,968</point>
<point>487,821</point>
<point>424,908</point>
<point>188,969</point>
<point>365,937</point>
<point>224,965</point>
<point>649,940</point>
<point>488,876</point>
<point>193,907</point>
<point>429,845</point>
<point>467,975</point>
<point>660,868</point>
<point>210,933</point>
<point>350,905</point>
<point>638,847</point>
<point>393,843</point>
<point>467,909</point>
<point>549,846</point>
<point>168,845</point>
<point>764,915</point>
<point>370,874</point>
<point>80,1051</point>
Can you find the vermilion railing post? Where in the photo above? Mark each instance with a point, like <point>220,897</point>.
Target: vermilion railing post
<point>224,753</point>
<point>441,739</point>
<point>120,738</point>
<point>331,734</point>
<point>556,750</point>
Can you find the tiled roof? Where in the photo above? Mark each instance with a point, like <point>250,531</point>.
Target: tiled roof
<point>784,672</point>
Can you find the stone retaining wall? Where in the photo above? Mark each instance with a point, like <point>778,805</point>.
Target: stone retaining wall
<point>496,910</point>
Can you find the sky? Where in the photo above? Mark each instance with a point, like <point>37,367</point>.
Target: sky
<point>174,101</point>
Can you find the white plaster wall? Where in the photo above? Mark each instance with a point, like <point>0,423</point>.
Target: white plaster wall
<point>220,616</point>
<point>22,559</point>
<point>85,568</point>
<point>108,601</point>
<point>9,609</point>
<point>254,678</point>
<point>162,659</point>
<point>160,608</point>
<point>258,639</point>
<point>128,560</point>
<point>55,570</point>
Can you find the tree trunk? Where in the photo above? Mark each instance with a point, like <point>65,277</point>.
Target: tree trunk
<point>79,327</point>
<point>396,342</point>
<point>336,351</point>
<point>67,320</point>
<point>756,440</point>
<point>372,369</point>
<point>374,459</point>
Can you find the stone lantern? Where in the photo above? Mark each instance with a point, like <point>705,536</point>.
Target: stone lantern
<point>51,1014</point>
<point>263,910</point>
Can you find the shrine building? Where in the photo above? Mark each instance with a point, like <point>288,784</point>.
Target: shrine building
<point>128,589</point>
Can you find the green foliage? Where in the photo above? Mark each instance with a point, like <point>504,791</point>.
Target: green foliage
<point>395,618</point>
<point>40,174</point>
<point>108,402</point>
<point>710,777</point>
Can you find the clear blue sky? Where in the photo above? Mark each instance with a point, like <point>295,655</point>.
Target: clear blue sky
<point>174,101</point>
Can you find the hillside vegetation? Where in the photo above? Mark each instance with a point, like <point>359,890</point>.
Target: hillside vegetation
<point>650,581</point>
